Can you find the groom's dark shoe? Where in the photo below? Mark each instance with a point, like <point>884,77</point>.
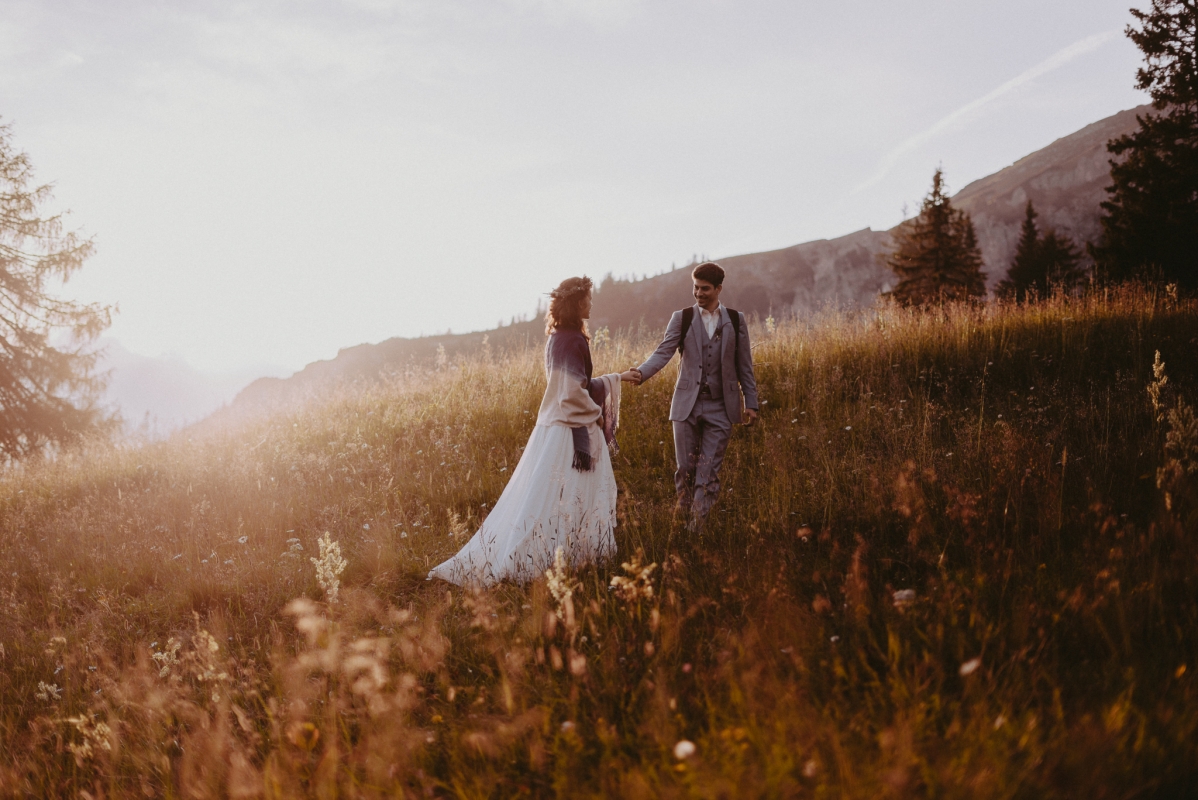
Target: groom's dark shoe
<point>682,508</point>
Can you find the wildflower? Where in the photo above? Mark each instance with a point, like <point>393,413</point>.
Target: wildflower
<point>600,337</point>
<point>810,768</point>
<point>329,566</point>
<point>48,691</point>
<point>568,727</point>
<point>770,324</point>
<point>1157,387</point>
<point>558,579</point>
<point>684,749</point>
<point>457,527</point>
<point>904,597</point>
<point>243,539</point>
<point>636,585</point>
<point>94,735</point>
<point>970,666</point>
<point>294,548</point>
<point>168,657</point>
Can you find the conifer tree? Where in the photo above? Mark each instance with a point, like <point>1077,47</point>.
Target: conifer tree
<point>1041,263</point>
<point>1151,215</point>
<point>937,257</point>
<point>48,390</point>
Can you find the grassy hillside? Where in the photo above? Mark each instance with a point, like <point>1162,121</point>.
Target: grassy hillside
<point>956,558</point>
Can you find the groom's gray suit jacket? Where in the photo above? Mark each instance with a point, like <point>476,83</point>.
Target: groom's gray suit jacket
<point>735,374</point>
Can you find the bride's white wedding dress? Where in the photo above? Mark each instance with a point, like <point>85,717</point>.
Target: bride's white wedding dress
<point>563,492</point>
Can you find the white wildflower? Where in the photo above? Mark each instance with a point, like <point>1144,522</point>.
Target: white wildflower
<point>48,691</point>
<point>684,749</point>
<point>329,566</point>
<point>636,585</point>
<point>558,579</point>
<point>94,735</point>
<point>770,324</point>
<point>970,666</point>
<point>904,597</point>
<point>294,548</point>
<point>167,658</point>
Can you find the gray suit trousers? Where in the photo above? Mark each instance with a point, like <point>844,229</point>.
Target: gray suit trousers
<point>699,444</point>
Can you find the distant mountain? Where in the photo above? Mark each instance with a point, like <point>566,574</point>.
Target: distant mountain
<point>1066,181</point>
<point>155,396</point>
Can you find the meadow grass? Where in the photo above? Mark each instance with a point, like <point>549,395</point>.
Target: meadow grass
<point>955,558</point>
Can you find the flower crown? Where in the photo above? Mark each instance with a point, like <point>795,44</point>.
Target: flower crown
<point>571,288</point>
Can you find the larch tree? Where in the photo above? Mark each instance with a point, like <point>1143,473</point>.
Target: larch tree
<point>1150,225</point>
<point>1042,263</point>
<point>48,385</point>
<point>936,257</point>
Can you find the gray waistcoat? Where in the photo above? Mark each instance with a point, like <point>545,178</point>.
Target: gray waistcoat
<point>713,368</point>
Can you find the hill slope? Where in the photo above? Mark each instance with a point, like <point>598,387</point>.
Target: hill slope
<point>954,558</point>
<point>1065,180</point>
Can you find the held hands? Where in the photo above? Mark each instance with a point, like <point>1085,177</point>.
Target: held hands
<point>632,376</point>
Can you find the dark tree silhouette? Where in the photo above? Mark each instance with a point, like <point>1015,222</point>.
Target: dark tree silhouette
<point>48,389</point>
<point>937,257</point>
<point>1041,263</point>
<point>1151,215</point>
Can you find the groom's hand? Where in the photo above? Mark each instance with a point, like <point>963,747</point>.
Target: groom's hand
<point>751,413</point>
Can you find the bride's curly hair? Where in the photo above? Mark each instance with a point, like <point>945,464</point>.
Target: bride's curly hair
<point>565,306</point>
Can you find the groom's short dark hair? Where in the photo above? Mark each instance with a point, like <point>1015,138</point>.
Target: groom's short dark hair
<point>709,271</point>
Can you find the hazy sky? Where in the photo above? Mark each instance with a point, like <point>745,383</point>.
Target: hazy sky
<point>270,181</point>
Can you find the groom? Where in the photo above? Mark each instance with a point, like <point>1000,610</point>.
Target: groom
<point>717,365</point>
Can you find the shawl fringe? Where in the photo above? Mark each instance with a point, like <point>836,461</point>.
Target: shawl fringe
<point>583,462</point>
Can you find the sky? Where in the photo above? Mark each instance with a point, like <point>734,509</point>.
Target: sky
<point>268,181</point>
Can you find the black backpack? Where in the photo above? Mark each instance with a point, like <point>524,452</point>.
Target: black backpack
<point>688,317</point>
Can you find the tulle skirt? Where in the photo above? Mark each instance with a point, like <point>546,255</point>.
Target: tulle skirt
<point>547,504</point>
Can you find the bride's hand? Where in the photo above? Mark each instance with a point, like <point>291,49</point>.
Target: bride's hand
<point>631,376</point>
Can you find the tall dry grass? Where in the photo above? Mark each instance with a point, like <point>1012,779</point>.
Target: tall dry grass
<point>955,558</point>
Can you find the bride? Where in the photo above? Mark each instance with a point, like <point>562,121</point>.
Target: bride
<point>562,493</point>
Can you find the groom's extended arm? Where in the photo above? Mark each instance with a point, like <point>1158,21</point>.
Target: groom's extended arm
<point>665,351</point>
<point>744,366</point>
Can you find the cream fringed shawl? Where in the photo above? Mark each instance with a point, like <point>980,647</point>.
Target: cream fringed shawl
<point>576,400</point>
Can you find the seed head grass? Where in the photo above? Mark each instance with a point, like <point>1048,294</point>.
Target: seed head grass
<point>955,557</point>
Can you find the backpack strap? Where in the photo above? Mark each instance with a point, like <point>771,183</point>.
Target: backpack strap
<point>688,316</point>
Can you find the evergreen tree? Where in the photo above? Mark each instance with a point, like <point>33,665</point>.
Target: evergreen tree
<point>1041,263</point>
<point>1151,220</point>
<point>47,388</point>
<point>937,257</point>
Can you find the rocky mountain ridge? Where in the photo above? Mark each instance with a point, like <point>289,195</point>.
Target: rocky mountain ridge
<point>1065,180</point>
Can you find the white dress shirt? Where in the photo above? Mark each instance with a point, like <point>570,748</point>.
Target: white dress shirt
<point>710,318</point>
